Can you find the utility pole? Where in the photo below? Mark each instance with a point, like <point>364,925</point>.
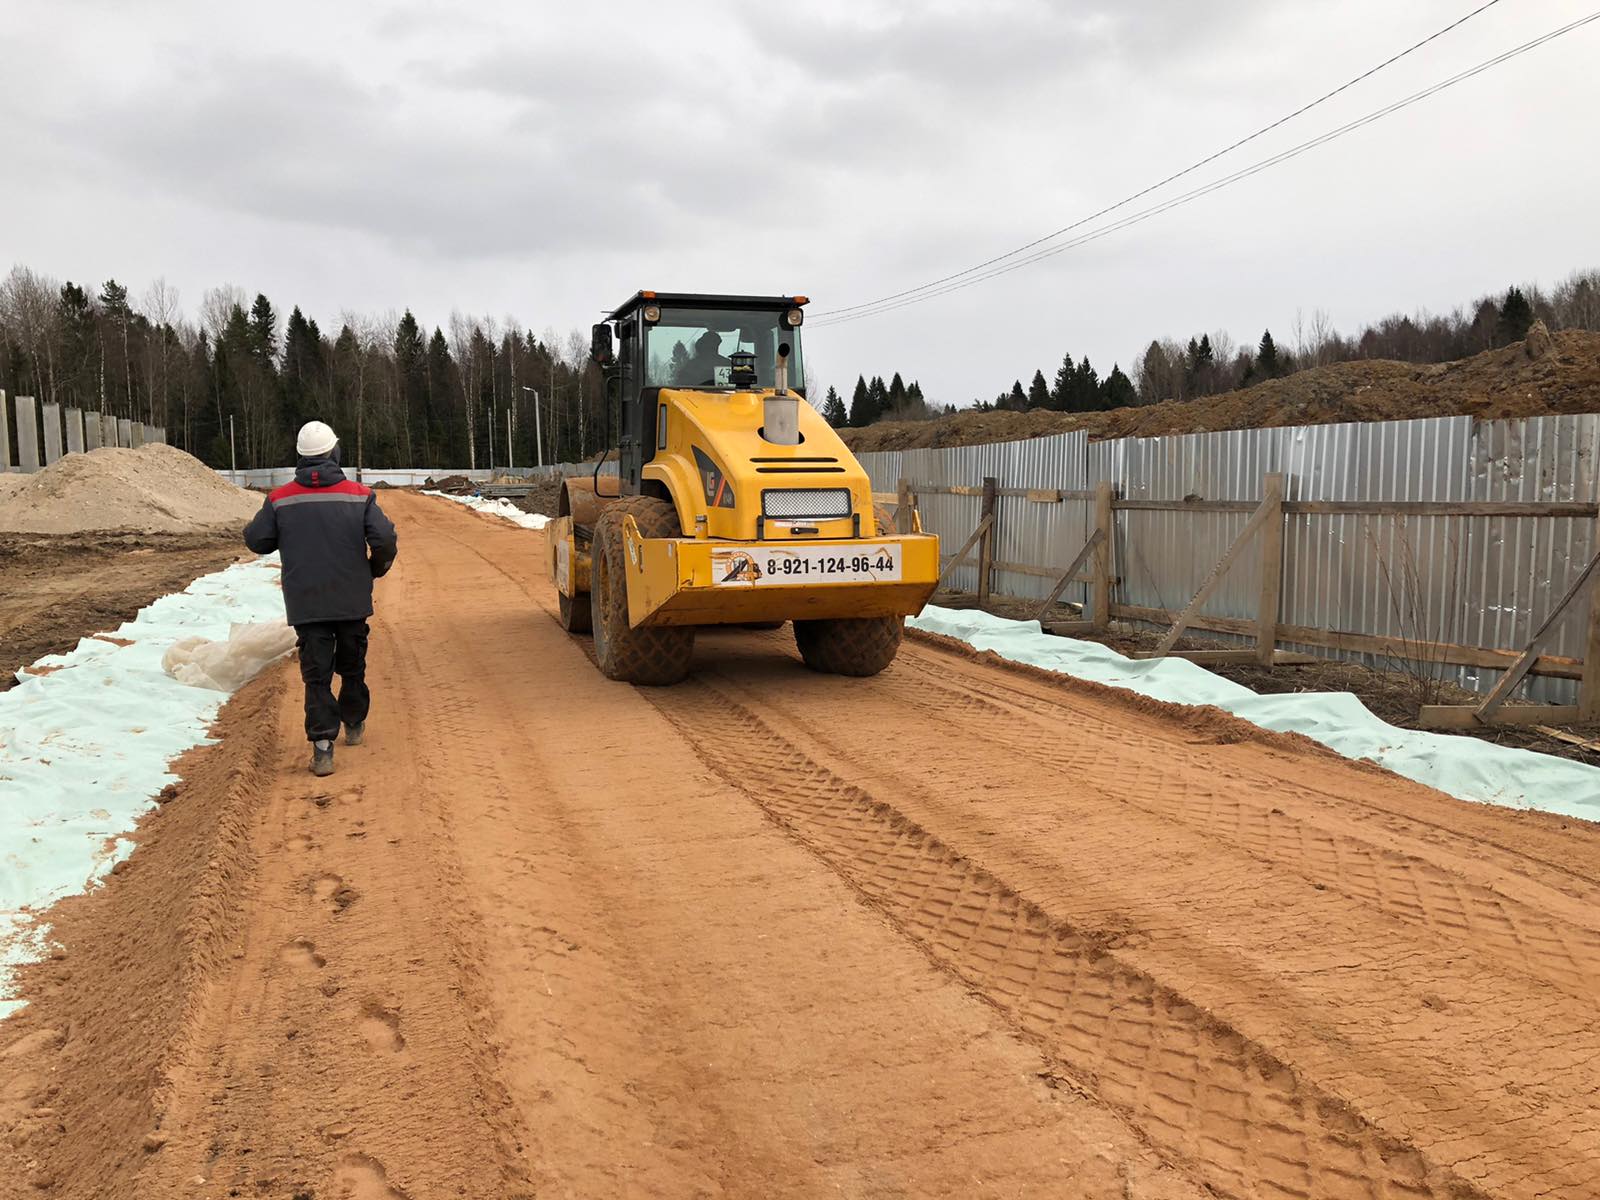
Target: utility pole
<point>233,449</point>
<point>538,432</point>
<point>511,453</point>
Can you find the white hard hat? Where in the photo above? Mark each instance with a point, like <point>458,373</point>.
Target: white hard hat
<point>315,440</point>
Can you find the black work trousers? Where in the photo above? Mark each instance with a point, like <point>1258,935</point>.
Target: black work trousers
<point>327,647</point>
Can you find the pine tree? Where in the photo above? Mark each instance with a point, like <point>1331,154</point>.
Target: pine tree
<point>879,392</point>
<point>1267,365</point>
<point>444,431</point>
<point>833,410</point>
<point>264,333</point>
<point>302,381</point>
<point>897,395</point>
<point>914,395</point>
<point>1516,317</point>
<point>1017,400</point>
<point>114,306</point>
<point>1084,393</point>
<point>1118,391</point>
<point>1038,392</point>
<point>411,370</point>
<point>1061,393</point>
<point>861,411</point>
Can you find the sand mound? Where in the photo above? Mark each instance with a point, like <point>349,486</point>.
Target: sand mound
<point>154,489</point>
<point>1550,373</point>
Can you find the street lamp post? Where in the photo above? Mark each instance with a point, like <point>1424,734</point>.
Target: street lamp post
<point>538,433</point>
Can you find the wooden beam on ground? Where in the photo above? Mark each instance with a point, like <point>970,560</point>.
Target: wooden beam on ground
<point>1105,522</point>
<point>1571,739</point>
<point>1070,573</point>
<point>966,547</point>
<point>1512,678</point>
<point>1553,666</point>
<point>986,546</point>
<point>1253,526</point>
<point>1465,716</point>
<point>1069,628</point>
<point>1271,568</point>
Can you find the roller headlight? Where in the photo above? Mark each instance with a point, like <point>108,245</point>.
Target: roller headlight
<point>793,317</point>
<point>652,313</point>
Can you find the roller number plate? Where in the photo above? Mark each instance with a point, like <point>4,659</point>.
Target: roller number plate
<point>762,566</point>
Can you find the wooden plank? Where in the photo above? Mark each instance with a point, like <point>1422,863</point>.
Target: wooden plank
<point>1026,493</point>
<point>1197,505</point>
<point>905,508</point>
<point>885,498</point>
<point>1068,575</point>
<point>966,547</point>
<point>986,546</point>
<point>1464,716</point>
<point>1253,526</point>
<point>1392,508</point>
<point>1512,678</point>
<point>1042,495</point>
<point>1571,739</point>
<point>1554,666</point>
<point>1442,508</point>
<point>1271,568</point>
<point>1105,520</point>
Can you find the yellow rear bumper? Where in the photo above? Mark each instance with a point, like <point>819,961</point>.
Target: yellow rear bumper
<point>691,581</point>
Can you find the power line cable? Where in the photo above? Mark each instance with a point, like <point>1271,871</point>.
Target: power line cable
<point>1191,168</point>
<point>977,274</point>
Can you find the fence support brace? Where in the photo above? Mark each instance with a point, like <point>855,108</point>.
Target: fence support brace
<point>1270,509</point>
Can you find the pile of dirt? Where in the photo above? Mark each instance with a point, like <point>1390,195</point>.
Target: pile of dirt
<point>154,489</point>
<point>1546,374</point>
<point>543,497</point>
<point>451,485</point>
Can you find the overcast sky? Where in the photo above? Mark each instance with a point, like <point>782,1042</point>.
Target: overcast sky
<point>545,161</point>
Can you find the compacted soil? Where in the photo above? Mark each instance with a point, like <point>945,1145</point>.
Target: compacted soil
<point>958,930</point>
<point>57,588</point>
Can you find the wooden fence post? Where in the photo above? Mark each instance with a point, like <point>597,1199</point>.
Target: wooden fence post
<point>1271,568</point>
<point>1589,689</point>
<point>1105,518</point>
<point>902,512</point>
<point>986,547</point>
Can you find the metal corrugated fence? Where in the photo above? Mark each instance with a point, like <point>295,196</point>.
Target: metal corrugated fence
<point>1480,581</point>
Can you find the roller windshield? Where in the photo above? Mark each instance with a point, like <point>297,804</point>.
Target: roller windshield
<point>694,347</point>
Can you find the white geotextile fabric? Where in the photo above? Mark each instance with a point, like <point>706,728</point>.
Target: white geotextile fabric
<point>86,736</point>
<point>498,507</point>
<point>226,665</point>
<point>1464,767</point>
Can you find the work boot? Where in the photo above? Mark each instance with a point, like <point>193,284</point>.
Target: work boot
<point>354,733</point>
<point>322,758</point>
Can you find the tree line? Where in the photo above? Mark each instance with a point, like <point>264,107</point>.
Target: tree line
<point>236,384</point>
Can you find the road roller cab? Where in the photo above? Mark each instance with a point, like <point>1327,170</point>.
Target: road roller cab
<point>734,502</point>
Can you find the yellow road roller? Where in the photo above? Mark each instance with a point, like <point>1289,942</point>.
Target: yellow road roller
<point>734,502</point>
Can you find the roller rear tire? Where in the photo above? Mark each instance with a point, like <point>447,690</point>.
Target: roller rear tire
<point>849,646</point>
<point>651,655</point>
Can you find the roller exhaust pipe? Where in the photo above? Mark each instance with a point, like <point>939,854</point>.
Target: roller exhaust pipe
<point>780,412</point>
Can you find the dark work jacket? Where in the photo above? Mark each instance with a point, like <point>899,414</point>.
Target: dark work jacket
<point>324,525</point>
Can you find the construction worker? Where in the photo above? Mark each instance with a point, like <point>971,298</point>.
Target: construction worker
<point>334,541</point>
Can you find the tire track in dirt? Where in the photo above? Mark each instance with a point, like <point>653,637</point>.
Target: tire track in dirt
<point>1200,1091</point>
<point>1400,885</point>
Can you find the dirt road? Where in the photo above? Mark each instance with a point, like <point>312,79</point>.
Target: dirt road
<point>954,931</point>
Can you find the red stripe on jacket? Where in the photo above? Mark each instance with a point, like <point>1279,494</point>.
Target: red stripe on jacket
<point>345,487</point>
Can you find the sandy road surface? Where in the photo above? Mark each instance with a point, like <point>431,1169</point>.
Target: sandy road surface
<point>953,931</point>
